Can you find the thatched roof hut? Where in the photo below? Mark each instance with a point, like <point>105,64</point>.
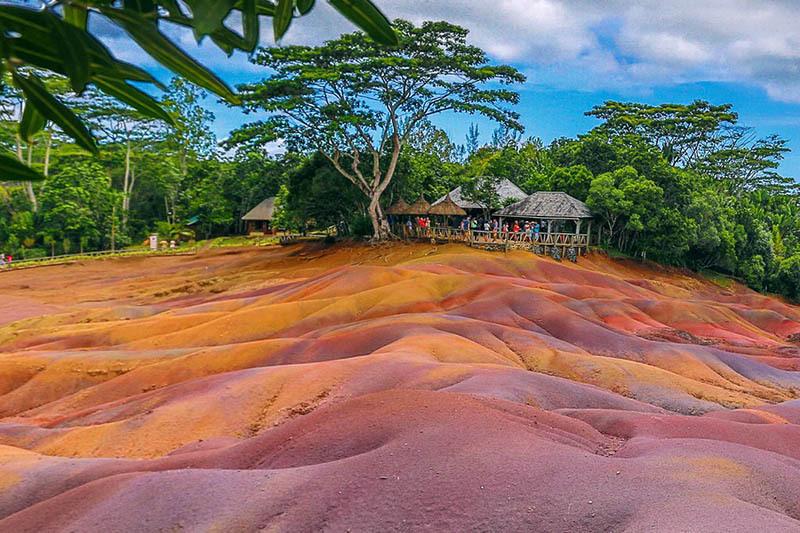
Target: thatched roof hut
<point>264,211</point>
<point>259,219</point>
<point>420,207</point>
<point>447,207</point>
<point>547,206</point>
<point>400,207</point>
<point>506,191</point>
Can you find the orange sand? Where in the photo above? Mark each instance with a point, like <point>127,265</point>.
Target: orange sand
<point>113,373</point>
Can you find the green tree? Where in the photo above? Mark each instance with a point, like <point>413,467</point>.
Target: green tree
<point>358,102</point>
<point>574,180</point>
<point>190,137</point>
<point>743,165</point>
<point>608,200</point>
<point>79,206</point>
<point>787,278</point>
<point>483,191</point>
<point>683,133</point>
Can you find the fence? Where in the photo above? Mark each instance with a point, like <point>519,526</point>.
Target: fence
<point>556,244</point>
<point>18,264</point>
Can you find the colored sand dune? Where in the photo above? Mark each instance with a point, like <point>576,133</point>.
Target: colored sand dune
<point>394,388</point>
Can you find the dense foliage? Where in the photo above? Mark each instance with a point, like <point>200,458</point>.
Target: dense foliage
<point>56,37</point>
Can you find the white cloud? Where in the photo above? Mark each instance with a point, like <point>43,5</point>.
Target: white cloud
<point>591,44</point>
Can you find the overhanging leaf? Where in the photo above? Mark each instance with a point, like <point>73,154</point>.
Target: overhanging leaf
<point>209,15</point>
<point>163,50</point>
<point>282,18</point>
<point>304,6</point>
<point>11,169</point>
<point>74,55</point>
<point>142,6</point>
<point>55,111</point>
<point>31,123</point>
<point>250,24</point>
<point>77,16</point>
<point>369,18</point>
<point>265,7</point>
<point>132,96</point>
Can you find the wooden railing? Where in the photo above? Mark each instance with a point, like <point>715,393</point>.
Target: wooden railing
<point>560,244</point>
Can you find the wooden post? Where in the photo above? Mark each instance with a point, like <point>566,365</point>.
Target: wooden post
<point>589,235</point>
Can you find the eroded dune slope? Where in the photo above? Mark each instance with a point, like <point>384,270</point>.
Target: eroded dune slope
<point>403,387</point>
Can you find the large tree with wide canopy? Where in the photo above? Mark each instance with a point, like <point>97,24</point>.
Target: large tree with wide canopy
<point>358,102</point>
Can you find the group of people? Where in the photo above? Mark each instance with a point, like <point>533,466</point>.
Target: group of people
<point>522,230</point>
<point>518,230</point>
<point>5,260</point>
<point>420,224</point>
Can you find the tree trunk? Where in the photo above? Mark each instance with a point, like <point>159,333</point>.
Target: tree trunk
<point>29,185</point>
<point>380,226</point>
<point>48,145</point>
<point>126,186</point>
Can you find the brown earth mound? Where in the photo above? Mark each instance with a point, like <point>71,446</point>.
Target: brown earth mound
<point>407,387</point>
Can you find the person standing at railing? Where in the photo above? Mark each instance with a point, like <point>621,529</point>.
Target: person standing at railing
<point>536,229</point>
<point>2,260</point>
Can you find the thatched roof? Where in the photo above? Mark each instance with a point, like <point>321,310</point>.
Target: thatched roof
<point>263,211</point>
<point>420,207</point>
<point>506,190</point>
<point>552,205</point>
<point>447,207</point>
<point>400,207</point>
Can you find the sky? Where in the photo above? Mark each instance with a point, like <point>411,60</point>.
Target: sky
<point>579,53</point>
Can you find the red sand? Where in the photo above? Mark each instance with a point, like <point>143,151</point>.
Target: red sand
<point>396,388</point>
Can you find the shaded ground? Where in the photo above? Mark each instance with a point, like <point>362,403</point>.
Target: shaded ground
<point>397,388</point>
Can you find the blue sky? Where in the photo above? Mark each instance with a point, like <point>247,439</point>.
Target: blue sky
<point>579,53</point>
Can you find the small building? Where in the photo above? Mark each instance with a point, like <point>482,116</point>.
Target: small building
<point>558,211</point>
<point>259,219</point>
<point>506,191</point>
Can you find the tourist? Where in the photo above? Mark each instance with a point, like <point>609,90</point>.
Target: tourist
<point>2,260</point>
<point>536,229</point>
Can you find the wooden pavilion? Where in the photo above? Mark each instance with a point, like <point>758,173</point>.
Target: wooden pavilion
<point>505,189</point>
<point>561,217</point>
